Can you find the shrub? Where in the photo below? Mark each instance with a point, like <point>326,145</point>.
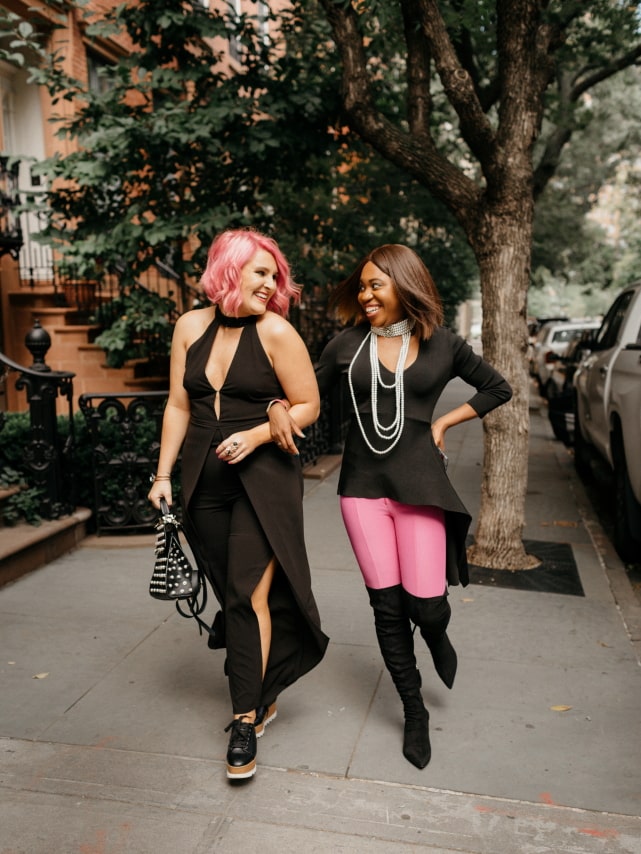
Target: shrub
<point>138,326</point>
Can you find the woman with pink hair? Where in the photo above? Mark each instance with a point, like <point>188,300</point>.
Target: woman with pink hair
<point>242,498</point>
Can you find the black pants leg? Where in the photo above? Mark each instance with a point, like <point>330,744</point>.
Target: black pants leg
<point>230,533</point>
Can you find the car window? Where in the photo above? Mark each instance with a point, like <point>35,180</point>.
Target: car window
<point>609,331</point>
<point>566,335</point>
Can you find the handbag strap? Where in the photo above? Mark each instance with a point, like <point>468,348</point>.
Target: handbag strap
<point>195,604</point>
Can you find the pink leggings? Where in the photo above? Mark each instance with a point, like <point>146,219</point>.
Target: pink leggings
<point>397,544</point>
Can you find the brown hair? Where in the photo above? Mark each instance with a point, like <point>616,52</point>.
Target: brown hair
<point>413,282</point>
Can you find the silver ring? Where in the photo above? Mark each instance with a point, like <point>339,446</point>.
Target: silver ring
<point>228,452</point>
<point>234,444</point>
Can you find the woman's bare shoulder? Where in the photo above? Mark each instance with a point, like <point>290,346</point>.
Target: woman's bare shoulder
<point>275,326</point>
<point>192,324</point>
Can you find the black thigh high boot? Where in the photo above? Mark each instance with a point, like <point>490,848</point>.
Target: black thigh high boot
<point>396,642</point>
<point>432,617</point>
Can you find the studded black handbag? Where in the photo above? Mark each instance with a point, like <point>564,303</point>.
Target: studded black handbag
<point>173,577</point>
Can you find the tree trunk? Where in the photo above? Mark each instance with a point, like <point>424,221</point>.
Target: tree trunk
<point>502,247</point>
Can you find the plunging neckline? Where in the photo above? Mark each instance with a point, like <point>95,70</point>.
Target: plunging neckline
<point>217,391</point>
<point>405,367</point>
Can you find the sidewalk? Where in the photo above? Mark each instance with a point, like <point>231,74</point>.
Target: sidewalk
<point>112,708</point>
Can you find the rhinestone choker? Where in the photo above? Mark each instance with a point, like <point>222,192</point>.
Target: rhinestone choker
<point>402,327</point>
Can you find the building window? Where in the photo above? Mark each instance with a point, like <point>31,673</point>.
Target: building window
<point>234,41</point>
<point>263,19</point>
<point>262,22</point>
<point>97,80</point>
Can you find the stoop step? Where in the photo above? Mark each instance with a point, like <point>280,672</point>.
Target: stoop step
<point>24,548</point>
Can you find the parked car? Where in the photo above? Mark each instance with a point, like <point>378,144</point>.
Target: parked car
<point>534,325</point>
<point>560,386</point>
<point>551,340</point>
<point>607,386</point>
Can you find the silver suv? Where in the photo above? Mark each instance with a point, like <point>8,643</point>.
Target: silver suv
<point>607,386</point>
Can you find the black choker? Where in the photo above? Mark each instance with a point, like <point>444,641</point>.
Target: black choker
<point>235,322</point>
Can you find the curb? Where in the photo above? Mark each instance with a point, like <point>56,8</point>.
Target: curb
<point>622,591</point>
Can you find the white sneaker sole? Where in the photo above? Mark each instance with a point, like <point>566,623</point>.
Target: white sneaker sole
<point>271,715</point>
<point>241,773</point>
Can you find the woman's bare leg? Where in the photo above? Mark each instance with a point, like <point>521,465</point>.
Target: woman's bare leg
<point>260,604</point>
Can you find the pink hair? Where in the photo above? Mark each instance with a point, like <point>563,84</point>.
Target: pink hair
<point>227,256</point>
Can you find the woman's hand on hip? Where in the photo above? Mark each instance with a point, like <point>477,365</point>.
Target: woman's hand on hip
<point>438,434</point>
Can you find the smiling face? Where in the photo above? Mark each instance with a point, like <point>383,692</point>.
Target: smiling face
<point>378,297</point>
<point>257,283</point>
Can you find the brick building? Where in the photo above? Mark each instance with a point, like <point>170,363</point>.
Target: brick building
<point>27,131</point>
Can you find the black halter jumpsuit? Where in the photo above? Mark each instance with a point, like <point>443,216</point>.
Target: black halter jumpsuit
<point>237,517</point>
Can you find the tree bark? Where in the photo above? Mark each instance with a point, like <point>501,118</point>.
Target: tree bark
<point>502,245</point>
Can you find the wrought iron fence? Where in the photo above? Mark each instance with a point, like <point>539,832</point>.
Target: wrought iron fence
<point>124,431</point>
<point>124,435</point>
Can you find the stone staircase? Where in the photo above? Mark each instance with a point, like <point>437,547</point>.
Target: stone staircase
<point>72,349</point>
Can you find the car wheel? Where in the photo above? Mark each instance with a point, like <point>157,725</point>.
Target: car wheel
<point>581,449</point>
<point>558,406</point>
<point>626,504</point>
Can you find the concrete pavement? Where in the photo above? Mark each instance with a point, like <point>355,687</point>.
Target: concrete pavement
<point>112,708</point>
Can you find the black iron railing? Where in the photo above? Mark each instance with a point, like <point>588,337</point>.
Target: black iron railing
<point>124,431</point>
<point>46,456</point>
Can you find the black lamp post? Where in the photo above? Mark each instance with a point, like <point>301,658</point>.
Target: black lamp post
<point>10,230</point>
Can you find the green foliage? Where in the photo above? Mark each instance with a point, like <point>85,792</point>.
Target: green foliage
<point>175,147</point>
<point>157,146</point>
<point>587,240</point>
<point>13,437</point>
<point>331,197</point>
<point>139,326</point>
<point>24,504</point>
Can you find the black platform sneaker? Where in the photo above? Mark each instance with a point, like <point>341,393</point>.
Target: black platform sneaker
<point>241,753</point>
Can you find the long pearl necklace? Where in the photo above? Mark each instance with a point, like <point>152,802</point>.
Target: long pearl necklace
<point>392,432</point>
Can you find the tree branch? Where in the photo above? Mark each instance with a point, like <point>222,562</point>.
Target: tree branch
<point>569,95</point>
<point>458,85</point>
<point>419,156</point>
<point>600,74</point>
<point>525,68</point>
<point>419,100</point>
<point>551,157</point>
<point>488,95</point>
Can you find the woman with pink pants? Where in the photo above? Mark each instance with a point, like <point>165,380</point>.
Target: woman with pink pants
<point>405,522</point>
